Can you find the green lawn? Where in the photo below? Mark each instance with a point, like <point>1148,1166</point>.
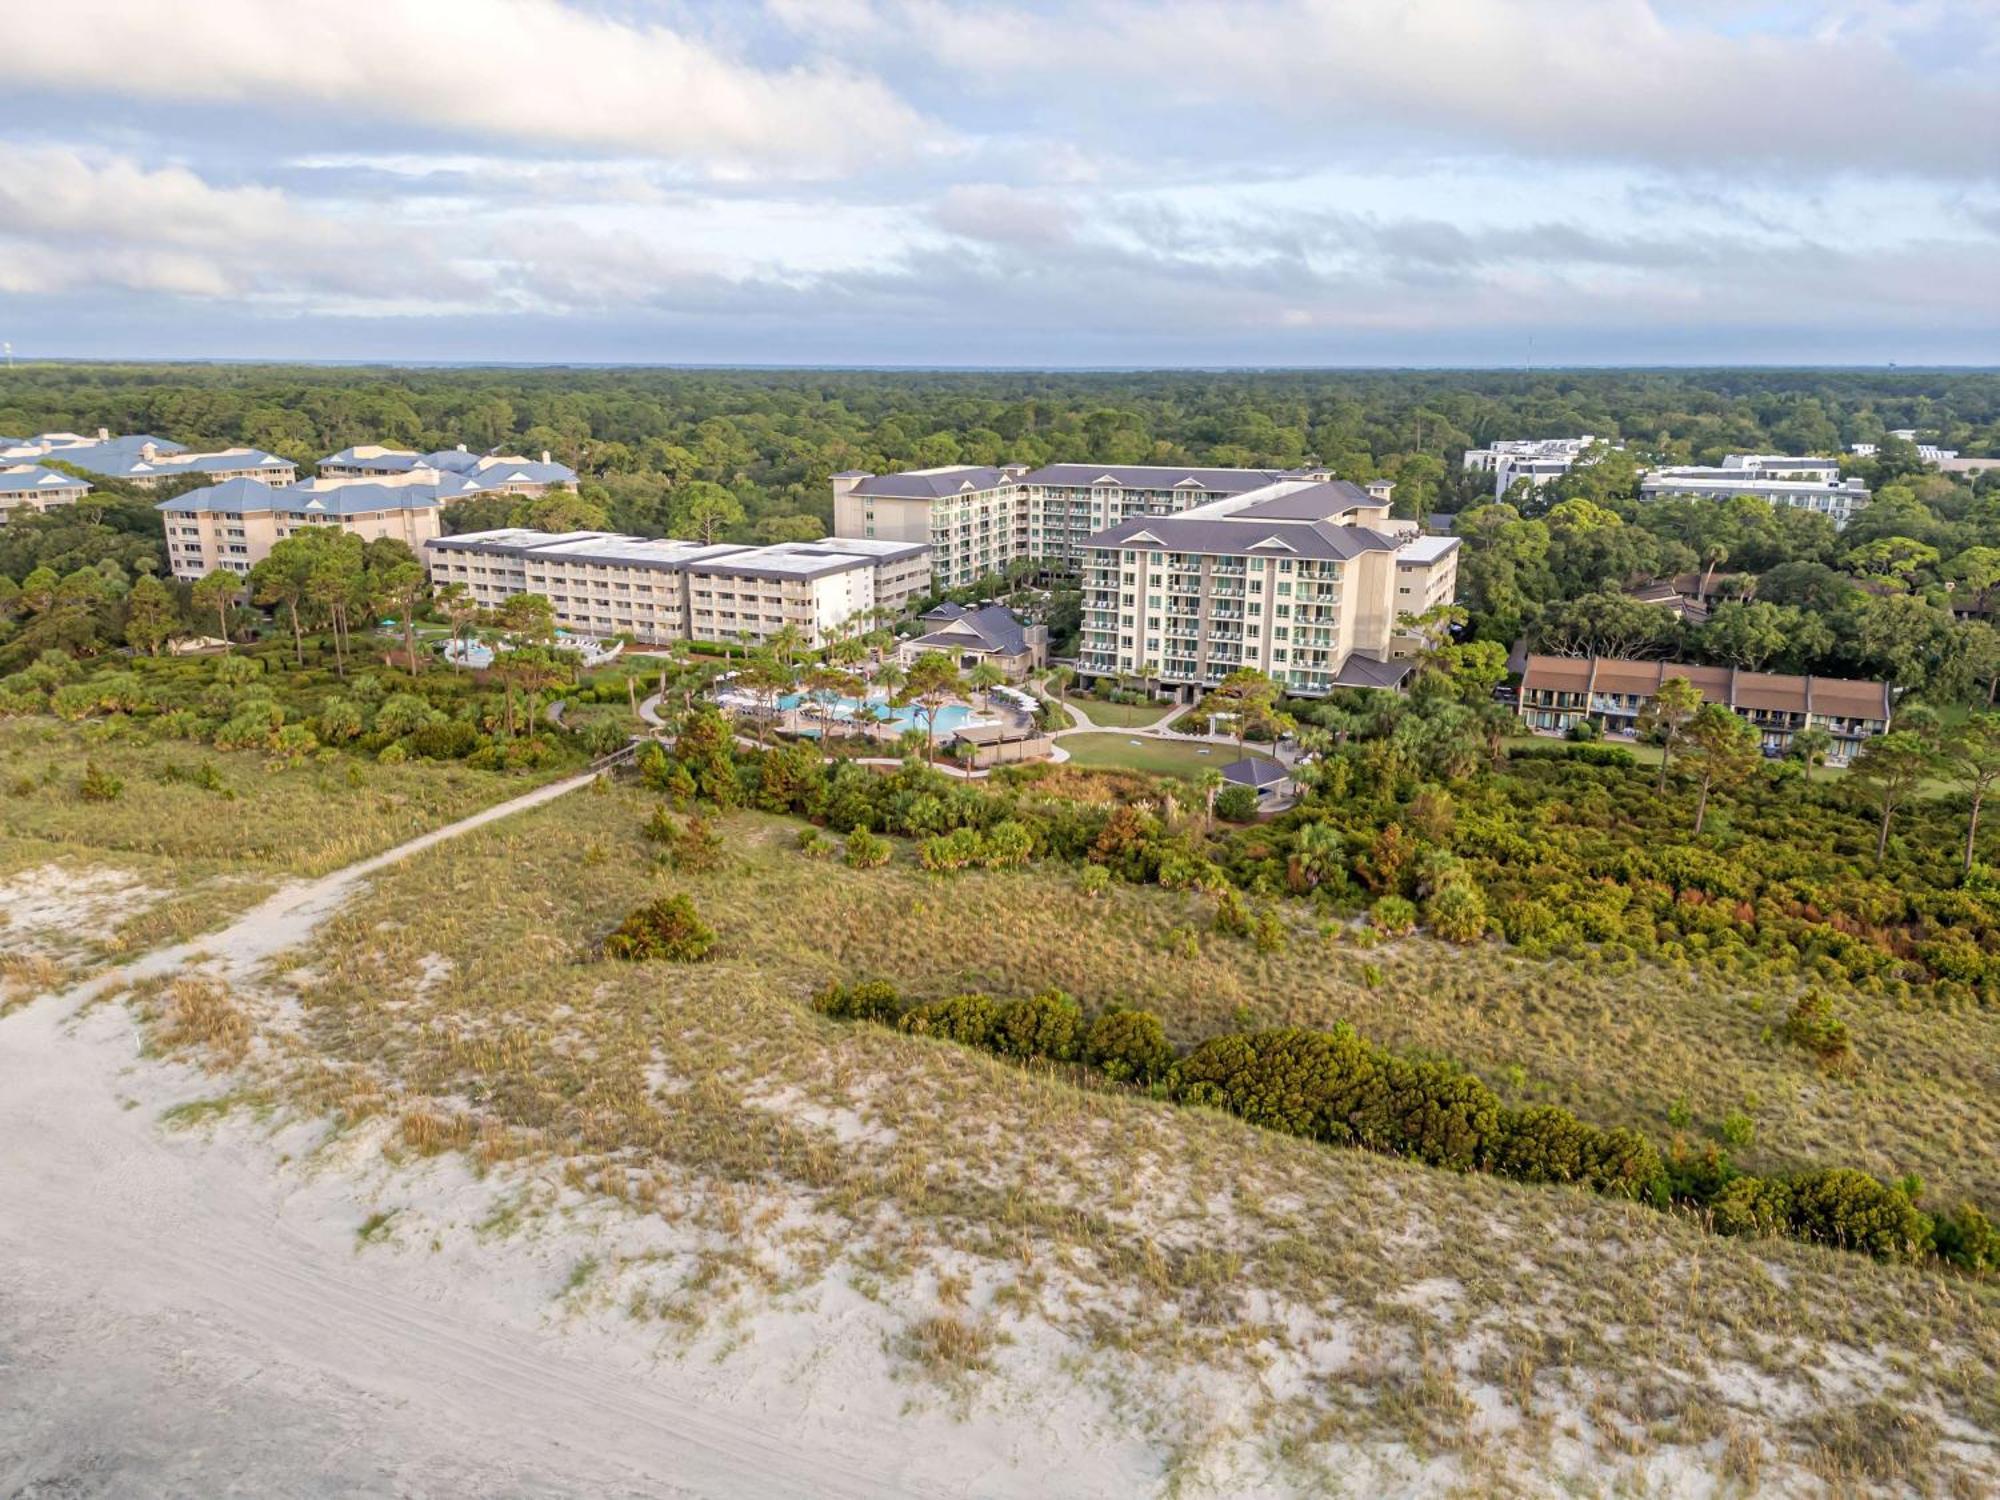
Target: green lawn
<point>1123,715</point>
<point>1168,757</point>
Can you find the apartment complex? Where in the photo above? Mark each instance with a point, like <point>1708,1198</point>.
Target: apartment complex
<point>1806,483</point>
<point>1305,581</point>
<point>1537,460</point>
<point>661,590</point>
<point>1558,691</point>
<point>144,460</point>
<point>484,473</point>
<point>978,519</point>
<point>234,525</point>
<point>36,489</point>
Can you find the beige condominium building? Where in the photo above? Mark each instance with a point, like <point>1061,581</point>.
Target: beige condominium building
<point>234,525</point>
<point>658,590</point>
<point>979,519</point>
<point>1306,581</point>
<point>971,517</point>
<point>36,489</point>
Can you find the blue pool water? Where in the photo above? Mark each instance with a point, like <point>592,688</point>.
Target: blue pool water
<point>951,717</point>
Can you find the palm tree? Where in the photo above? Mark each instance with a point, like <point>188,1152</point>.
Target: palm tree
<point>982,679</point>
<point>1715,556</point>
<point>1318,851</point>
<point>1209,782</point>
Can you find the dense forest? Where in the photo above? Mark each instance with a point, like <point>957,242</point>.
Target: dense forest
<point>1899,594</point>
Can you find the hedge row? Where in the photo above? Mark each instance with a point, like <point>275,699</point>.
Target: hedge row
<point>1335,1087</point>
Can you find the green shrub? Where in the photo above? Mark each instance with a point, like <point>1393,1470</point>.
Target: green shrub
<point>444,739</point>
<point>865,851</point>
<point>1839,1206</point>
<point>1128,1045</point>
<point>1232,914</point>
<point>960,849</point>
<point>1758,1206</point>
<point>1093,880</point>
<point>966,1019</point>
<point>1236,804</point>
<point>696,847</point>
<point>1298,1081</point>
<point>1009,845</point>
<point>1967,1239</point>
<point>871,1000</point>
<point>1456,912</point>
<point>98,784</point>
<point>669,928</point>
<point>1813,1026</point>
<point>1048,1025</point>
<point>1392,916</point>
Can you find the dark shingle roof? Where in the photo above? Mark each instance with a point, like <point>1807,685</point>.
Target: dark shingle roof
<point>1155,477</point>
<point>1254,772</point>
<point>932,484</point>
<point>998,628</point>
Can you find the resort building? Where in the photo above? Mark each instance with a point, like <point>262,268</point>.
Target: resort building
<point>36,489</point>
<point>485,473</point>
<point>1537,460</point>
<point>988,633</point>
<point>1806,483</point>
<point>235,525</point>
<point>658,590</point>
<point>1559,691</point>
<point>971,517</point>
<point>144,460</point>
<point>1308,582</point>
<point>979,519</point>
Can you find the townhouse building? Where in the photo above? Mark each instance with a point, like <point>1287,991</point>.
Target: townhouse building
<point>659,590</point>
<point>36,489</point>
<point>1309,582</point>
<point>485,473</point>
<point>234,525</point>
<point>1559,691</point>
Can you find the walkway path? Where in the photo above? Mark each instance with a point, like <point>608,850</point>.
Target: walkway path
<point>1159,729</point>
<point>181,1314</point>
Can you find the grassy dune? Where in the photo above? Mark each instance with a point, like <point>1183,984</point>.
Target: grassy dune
<point>1311,1312</point>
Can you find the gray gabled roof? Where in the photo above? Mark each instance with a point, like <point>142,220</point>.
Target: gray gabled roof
<point>35,478</point>
<point>1254,773</point>
<point>1155,477</point>
<point>1366,672</point>
<point>254,496</point>
<point>932,484</point>
<point>1286,518</point>
<point>997,628</point>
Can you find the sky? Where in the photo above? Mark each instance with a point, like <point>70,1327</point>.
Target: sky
<point>1012,183</point>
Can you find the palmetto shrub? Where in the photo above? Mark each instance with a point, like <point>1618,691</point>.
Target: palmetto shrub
<point>1048,1025</point>
<point>1129,1046</point>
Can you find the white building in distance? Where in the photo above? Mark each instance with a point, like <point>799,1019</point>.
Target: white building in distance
<point>1537,460</point>
<point>1804,483</point>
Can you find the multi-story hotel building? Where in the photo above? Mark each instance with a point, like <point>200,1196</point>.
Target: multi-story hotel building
<point>1308,582</point>
<point>35,489</point>
<point>978,519</point>
<point>661,590</point>
<point>235,525</point>
<point>1558,691</point>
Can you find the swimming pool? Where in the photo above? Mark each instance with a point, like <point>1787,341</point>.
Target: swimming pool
<point>950,718</point>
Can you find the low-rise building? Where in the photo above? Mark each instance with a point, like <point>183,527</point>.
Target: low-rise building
<point>36,489</point>
<point>1309,583</point>
<point>987,633</point>
<point>485,473</point>
<point>659,590</point>
<point>1804,483</point>
<point>1559,691</point>
<point>234,525</point>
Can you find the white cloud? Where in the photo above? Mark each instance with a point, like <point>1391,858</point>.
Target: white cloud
<point>1908,89</point>
<point>538,72</point>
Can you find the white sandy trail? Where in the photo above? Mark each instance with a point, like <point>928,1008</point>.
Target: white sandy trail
<point>169,1328</point>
